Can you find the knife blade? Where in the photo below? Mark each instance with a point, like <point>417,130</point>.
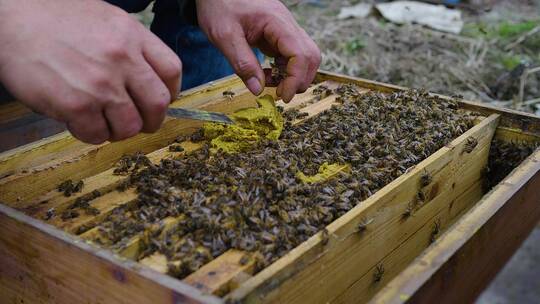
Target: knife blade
<point>199,115</point>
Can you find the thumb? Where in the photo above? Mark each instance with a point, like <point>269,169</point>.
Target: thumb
<point>243,60</point>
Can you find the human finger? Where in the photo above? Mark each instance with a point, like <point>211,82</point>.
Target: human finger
<point>164,62</point>
<point>150,95</point>
<point>123,118</point>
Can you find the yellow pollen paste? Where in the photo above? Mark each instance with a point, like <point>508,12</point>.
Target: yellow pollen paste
<point>250,125</point>
<point>326,171</point>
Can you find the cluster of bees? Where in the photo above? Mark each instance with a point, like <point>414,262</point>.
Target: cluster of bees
<point>505,156</point>
<point>254,202</point>
<point>69,187</point>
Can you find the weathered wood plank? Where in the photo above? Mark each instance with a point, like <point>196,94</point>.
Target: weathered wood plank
<point>365,288</point>
<point>105,204</point>
<point>347,254</point>
<point>44,178</point>
<point>50,266</point>
<point>216,276</point>
<point>156,262</point>
<point>27,129</point>
<point>38,153</point>
<point>466,258</point>
<point>209,92</point>
<point>20,126</point>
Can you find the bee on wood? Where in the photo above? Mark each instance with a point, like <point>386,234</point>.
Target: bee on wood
<point>420,196</point>
<point>435,231</point>
<point>244,260</point>
<point>69,214</point>
<point>302,115</point>
<point>470,144</point>
<point>425,179</point>
<point>229,94</point>
<point>180,139</point>
<point>409,210</point>
<point>379,273</point>
<point>324,237</point>
<point>50,213</point>
<point>275,74</point>
<point>131,162</point>
<point>69,187</point>
<point>91,210</point>
<point>176,148</point>
<point>197,136</point>
<point>362,226</point>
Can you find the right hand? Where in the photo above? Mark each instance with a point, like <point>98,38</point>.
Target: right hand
<point>88,64</point>
<point>236,26</point>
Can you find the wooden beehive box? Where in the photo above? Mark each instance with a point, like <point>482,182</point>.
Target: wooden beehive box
<point>390,260</point>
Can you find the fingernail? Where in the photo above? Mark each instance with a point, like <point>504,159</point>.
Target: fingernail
<point>254,85</point>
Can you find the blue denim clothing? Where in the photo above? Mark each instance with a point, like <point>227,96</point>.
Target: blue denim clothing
<point>201,61</point>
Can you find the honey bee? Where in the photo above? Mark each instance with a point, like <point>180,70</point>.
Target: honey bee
<point>470,144</point>
<point>435,231</point>
<point>176,148</point>
<point>324,237</point>
<point>425,179</point>
<point>229,94</point>
<point>379,273</point>
<point>362,226</point>
<point>409,210</point>
<point>69,187</point>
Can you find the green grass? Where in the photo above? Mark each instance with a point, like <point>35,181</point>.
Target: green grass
<point>354,45</point>
<point>511,30</point>
<point>510,61</point>
<point>504,30</point>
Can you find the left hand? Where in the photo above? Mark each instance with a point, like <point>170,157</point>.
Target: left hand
<point>235,26</point>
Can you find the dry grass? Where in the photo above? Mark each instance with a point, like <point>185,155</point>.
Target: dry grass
<point>475,64</point>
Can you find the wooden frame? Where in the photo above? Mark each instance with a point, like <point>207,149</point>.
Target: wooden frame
<point>20,126</point>
<point>464,260</point>
<point>43,264</point>
<point>340,268</point>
